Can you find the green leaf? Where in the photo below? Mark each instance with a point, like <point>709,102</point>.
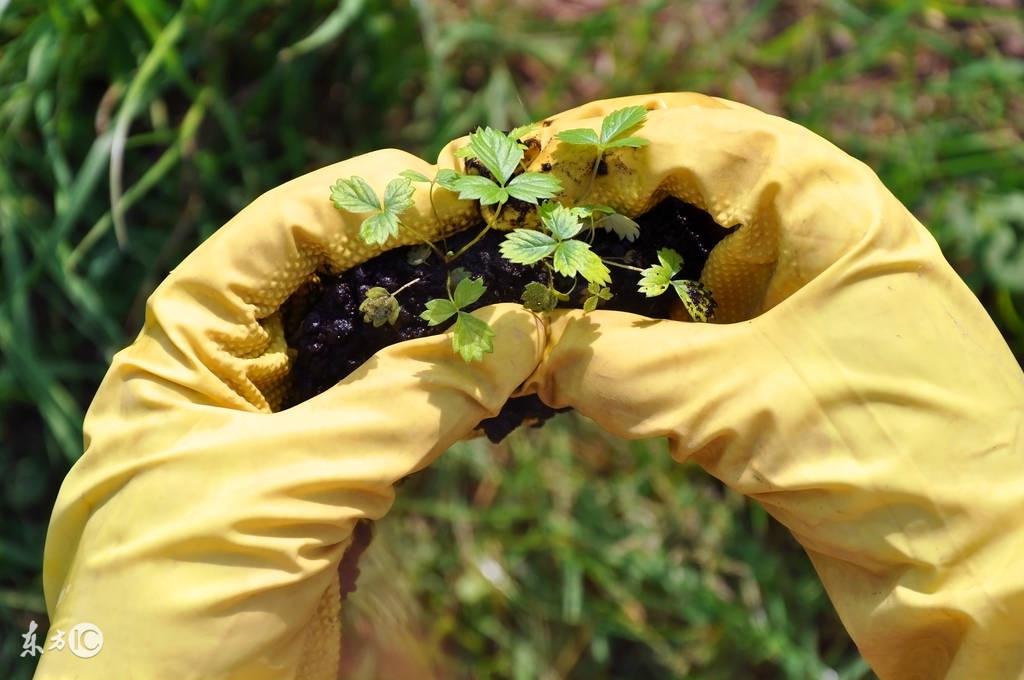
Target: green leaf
<point>670,259</point>
<point>655,279</point>
<point>468,291</point>
<point>526,246</point>
<point>696,298</point>
<point>531,186</point>
<point>621,226</point>
<point>538,298</point>
<point>597,294</point>
<point>380,307</point>
<point>518,133</point>
<point>417,255</point>
<point>446,179</point>
<point>377,229</point>
<point>475,187</point>
<point>562,222</point>
<point>621,122</point>
<point>599,291</point>
<point>575,257</point>
<point>579,136</point>
<point>398,195</point>
<point>498,153</point>
<point>455,277</point>
<point>546,208</point>
<point>634,142</point>
<point>414,176</point>
<point>354,195</point>
<point>438,311</point>
<point>472,337</point>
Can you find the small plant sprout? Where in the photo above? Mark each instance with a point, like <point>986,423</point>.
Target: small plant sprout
<point>568,256</point>
<point>471,337</point>
<point>616,132</point>
<point>515,136</point>
<point>495,174</point>
<point>695,296</point>
<point>597,294</point>
<point>357,196</point>
<point>444,178</point>
<point>556,246</point>
<point>540,298</point>
<point>380,307</point>
<point>501,156</point>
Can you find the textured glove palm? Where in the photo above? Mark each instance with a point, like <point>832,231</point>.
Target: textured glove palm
<point>201,532</point>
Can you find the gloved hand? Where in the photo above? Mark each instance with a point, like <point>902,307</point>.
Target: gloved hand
<point>856,388</point>
<point>201,532</point>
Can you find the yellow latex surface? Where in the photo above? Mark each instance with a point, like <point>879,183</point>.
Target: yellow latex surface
<point>201,531</point>
<point>854,386</point>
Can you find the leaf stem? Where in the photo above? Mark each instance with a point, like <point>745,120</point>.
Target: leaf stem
<point>622,266</point>
<point>433,209</point>
<point>421,236</point>
<point>404,286</point>
<point>477,238</point>
<point>551,280</point>
<point>593,175</point>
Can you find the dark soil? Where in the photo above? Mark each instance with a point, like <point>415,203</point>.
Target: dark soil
<point>324,324</point>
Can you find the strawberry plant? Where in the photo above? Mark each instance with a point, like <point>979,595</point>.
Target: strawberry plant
<point>560,262</point>
<point>471,336</point>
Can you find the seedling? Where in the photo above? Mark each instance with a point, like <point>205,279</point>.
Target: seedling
<point>616,132</point>
<point>598,293</point>
<point>657,278</point>
<point>471,337</point>
<point>381,307</point>
<point>556,247</point>
<point>559,251</point>
<point>538,297</point>
<point>501,156</point>
<point>356,195</point>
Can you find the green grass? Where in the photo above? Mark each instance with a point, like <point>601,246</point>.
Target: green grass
<point>132,130</point>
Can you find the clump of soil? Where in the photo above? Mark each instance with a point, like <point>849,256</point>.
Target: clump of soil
<point>324,325</point>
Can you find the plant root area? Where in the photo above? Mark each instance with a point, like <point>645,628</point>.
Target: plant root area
<point>324,326</point>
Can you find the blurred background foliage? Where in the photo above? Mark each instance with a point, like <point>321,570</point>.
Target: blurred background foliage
<point>132,129</point>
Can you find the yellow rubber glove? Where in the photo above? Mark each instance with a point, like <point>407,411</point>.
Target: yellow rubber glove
<point>856,388</point>
<point>201,532</point>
